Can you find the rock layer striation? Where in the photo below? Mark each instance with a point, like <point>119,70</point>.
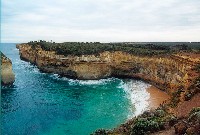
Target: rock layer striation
<point>167,72</point>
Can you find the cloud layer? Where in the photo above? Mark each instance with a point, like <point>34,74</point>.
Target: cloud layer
<point>100,20</point>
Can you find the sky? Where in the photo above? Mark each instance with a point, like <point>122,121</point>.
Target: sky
<point>100,20</point>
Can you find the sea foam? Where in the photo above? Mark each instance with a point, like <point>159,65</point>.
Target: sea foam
<point>82,82</point>
<point>136,92</point>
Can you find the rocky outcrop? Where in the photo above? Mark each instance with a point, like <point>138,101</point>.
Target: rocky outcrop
<point>7,75</point>
<point>167,72</point>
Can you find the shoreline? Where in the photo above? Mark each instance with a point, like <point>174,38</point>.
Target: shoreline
<point>156,98</point>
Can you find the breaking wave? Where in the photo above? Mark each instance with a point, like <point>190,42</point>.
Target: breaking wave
<point>82,82</point>
<point>135,89</point>
<point>136,92</point>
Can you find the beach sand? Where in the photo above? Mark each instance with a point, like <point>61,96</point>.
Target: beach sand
<point>157,97</point>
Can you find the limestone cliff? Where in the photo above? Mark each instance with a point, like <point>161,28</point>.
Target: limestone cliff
<point>7,75</point>
<point>175,73</point>
<point>168,72</point>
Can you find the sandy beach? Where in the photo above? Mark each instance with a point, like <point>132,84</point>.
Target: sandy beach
<point>156,97</point>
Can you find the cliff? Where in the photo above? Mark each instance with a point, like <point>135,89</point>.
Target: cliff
<point>167,72</point>
<point>7,75</point>
<point>176,73</point>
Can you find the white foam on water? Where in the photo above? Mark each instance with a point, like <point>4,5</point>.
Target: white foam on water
<point>19,64</point>
<point>55,76</point>
<point>82,82</point>
<point>89,82</point>
<point>136,92</point>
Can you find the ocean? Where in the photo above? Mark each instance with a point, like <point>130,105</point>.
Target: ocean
<point>47,104</point>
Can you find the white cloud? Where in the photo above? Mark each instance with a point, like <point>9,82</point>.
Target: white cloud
<point>103,20</point>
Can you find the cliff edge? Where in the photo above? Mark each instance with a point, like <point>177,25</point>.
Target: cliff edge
<point>167,72</point>
<point>175,72</point>
<point>7,75</point>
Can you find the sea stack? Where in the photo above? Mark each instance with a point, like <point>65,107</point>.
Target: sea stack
<point>7,75</point>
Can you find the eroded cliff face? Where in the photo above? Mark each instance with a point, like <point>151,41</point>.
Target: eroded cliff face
<point>7,75</point>
<point>166,72</point>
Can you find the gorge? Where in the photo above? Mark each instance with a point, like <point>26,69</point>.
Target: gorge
<point>175,72</point>
<point>166,72</point>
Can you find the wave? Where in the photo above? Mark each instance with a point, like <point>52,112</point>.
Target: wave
<point>82,82</point>
<point>19,66</point>
<point>136,92</point>
<point>91,82</point>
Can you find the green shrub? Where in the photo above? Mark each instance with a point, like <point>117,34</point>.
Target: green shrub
<point>197,109</point>
<point>188,95</point>
<point>171,119</point>
<point>193,89</point>
<point>194,115</point>
<point>100,132</point>
<point>197,68</point>
<point>145,125</point>
<point>88,48</point>
<point>176,97</point>
<point>160,113</point>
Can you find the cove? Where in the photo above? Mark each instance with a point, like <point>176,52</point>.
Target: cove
<point>40,103</point>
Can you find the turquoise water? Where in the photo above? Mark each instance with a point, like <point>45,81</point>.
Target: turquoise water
<point>45,104</point>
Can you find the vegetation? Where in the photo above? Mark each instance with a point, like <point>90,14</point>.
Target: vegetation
<point>194,110</point>
<point>88,48</point>
<point>143,125</point>
<point>175,99</point>
<point>150,122</point>
<point>197,68</point>
<point>194,120</point>
<point>195,87</point>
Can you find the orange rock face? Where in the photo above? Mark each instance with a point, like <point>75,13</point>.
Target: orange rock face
<point>166,72</point>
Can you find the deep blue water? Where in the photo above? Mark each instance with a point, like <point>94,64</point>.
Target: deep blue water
<point>45,104</point>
